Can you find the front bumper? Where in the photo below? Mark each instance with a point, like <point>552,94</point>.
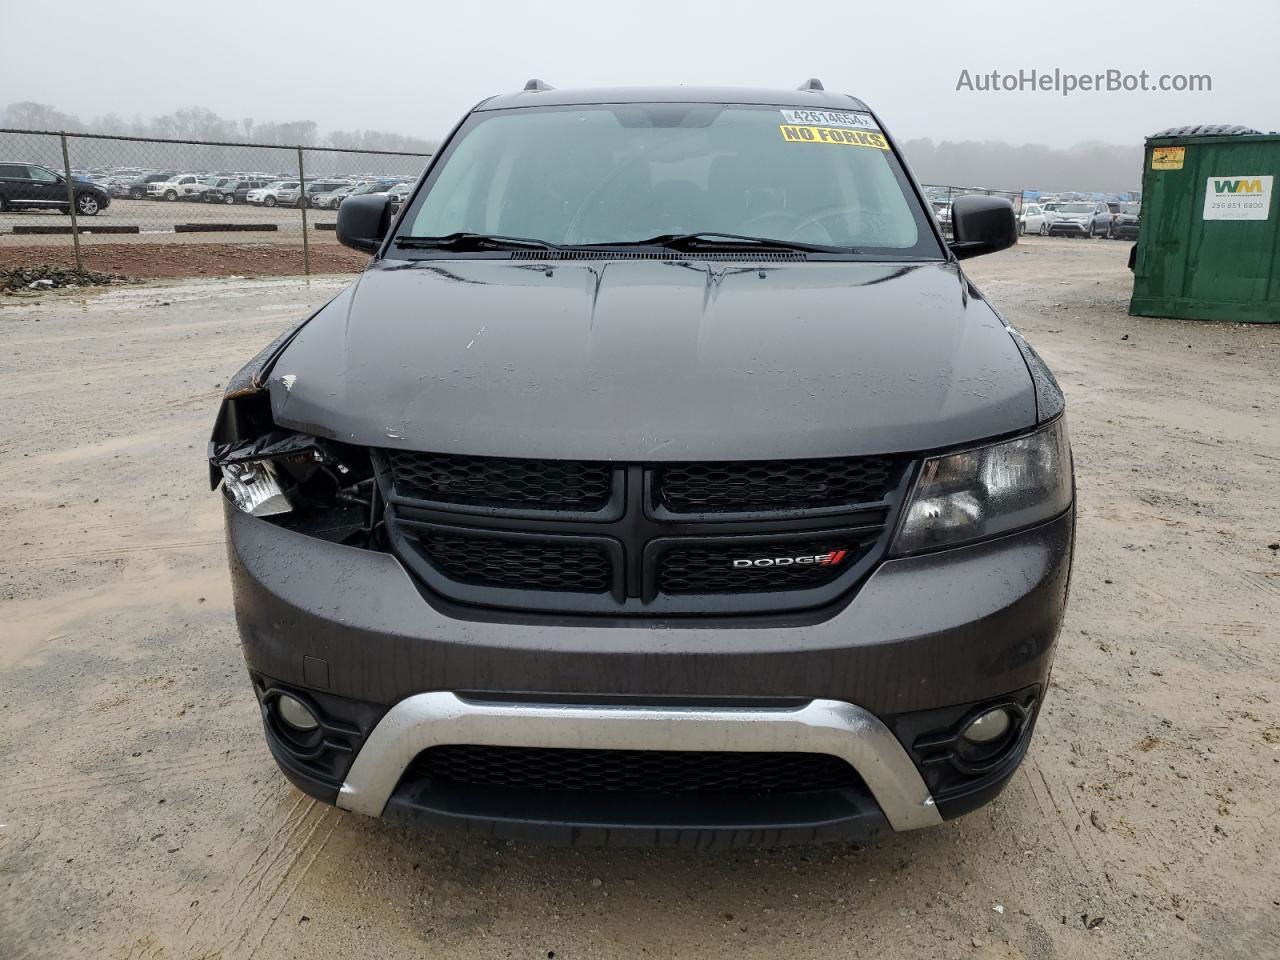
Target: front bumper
<point>1063,228</point>
<point>922,642</point>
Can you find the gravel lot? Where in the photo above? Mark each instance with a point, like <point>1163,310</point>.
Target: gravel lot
<point>141,816</point>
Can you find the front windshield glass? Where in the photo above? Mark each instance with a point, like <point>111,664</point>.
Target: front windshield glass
<point>621,173</point>
<point>1076,208</point>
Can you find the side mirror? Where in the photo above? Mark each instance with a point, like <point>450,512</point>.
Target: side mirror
<point>982,224</point>
<point>363,222</point>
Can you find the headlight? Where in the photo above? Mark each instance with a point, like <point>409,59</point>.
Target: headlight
<point>254,487</point>
<point>987,491</point>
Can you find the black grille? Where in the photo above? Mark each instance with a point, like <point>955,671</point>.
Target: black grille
<point>546,565</point>
<point>499,481</point>
<point>605,538</point>
<point>710,568</point>
<point>775,484</point>
<point>654,771</point>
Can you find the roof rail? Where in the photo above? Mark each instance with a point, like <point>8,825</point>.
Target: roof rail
<point>537,86</point>
<point>813,83</point>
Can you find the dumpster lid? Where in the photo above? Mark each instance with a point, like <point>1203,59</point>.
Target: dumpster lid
<point>1206,130</point>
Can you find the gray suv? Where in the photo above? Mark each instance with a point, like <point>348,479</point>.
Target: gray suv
<point>663,479</point>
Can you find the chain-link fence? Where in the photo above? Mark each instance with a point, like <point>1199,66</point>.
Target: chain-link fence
<point>118,200</point>
<point>941,195</point>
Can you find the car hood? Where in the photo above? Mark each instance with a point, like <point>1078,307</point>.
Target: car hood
<point>655,360</point>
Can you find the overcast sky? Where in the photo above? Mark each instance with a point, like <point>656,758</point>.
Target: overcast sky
<point>414,67</point>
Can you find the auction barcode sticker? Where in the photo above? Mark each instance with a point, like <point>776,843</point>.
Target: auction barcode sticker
<point>831,118</point>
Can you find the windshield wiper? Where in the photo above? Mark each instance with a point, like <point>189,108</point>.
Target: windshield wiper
<point>712,240</point>
<point>473,241</point>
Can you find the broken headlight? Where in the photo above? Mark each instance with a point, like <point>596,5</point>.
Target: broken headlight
<point>282,470</point>
<point>309,484</point>
<point>987,491</point>
<point>255,488</point>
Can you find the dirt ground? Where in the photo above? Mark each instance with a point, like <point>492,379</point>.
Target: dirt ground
<point>169,260</point>
<point>142,817</point>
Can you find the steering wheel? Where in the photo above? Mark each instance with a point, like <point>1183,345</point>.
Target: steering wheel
<point>816,217</point>
<point>571,228</point>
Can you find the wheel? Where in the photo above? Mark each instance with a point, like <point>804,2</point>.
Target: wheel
<point>136,193</point>
<point>229,198</point>
<point>1022,228</point>
<point>87,205</point>
<point>171,194</point>
<point>269,202</point>
<point>1044,229</point>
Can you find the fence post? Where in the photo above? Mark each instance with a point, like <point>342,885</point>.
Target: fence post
<point>302,201</point>
<point>71,200</point>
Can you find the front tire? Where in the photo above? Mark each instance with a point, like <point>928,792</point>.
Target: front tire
<point>171,194</point>
<point>1044,229</point>
<point>87,205</point>
<point>136,194</point>
<point>269,202</point>
<point>229,198</point>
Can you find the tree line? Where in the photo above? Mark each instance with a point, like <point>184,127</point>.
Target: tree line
<point>199,123</point>
<point>994,164</point>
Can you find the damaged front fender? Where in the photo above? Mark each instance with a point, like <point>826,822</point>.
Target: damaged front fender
<point>245,411</point>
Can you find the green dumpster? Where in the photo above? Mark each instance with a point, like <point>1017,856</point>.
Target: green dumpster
<point>1209,246</point>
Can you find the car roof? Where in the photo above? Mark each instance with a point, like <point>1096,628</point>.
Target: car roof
<point>811,99</point>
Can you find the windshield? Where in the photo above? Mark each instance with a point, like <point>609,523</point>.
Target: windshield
<point>1130,207</point>
<point>622,173</point>
<point>1076,208</point>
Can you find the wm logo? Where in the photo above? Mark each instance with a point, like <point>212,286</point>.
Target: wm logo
<point>1237,186</point>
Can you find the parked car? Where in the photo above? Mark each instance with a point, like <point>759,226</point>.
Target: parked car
<point>176,187</point>
<point>30,186</point>
<point>317,188</point>
<point>209,187</point>
<point>398,194</point>
<point>1033,219</point>
<point>331,199</point>
<point>291,196</point>
<point>942,213</point>
<point>376,187</point>
<point>1080,219</point>
<point>234,191</point>
<point>1126,223</point>
<point>269,195</point>
<point>531,546</point>
<point>136,189</point>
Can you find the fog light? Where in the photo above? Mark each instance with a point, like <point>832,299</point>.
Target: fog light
<point>295,714</point>
<point>988,727</point>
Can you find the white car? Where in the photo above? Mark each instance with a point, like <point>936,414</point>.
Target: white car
<point>1034,219</point>
<point>269,196</point>
<point>181,185</point>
